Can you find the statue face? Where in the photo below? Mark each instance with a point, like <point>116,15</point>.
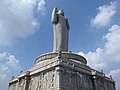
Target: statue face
<point>61,12</point>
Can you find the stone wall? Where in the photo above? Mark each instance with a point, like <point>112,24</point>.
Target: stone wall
<point>61,73</point>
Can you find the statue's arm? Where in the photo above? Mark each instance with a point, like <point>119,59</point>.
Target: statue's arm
<point>54,16</point>
<point>67,23</point>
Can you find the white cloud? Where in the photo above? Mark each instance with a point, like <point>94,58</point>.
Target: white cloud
<point>8,63</point>
<point>101,65</point>
<point>108,57</point>
<point>41,6</point>
<point>13,62</point>
<point>104,15</point>
<point>17,19</point>
<point>115,73</point>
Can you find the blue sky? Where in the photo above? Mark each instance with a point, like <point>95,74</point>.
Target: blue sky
<point>26,32</point>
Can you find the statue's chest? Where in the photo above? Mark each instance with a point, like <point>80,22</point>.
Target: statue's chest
<point>61,20</point>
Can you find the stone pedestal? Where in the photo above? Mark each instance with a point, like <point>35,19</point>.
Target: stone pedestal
<point>61,71</point>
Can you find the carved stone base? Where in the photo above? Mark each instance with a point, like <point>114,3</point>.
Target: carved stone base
<point>61,71</point>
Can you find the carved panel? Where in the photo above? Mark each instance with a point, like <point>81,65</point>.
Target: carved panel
<point>42,81</point>
<point>84,82</point>
<point>106,85</point>
<point>69,80</point>
<point>12,87</point>
<point>111,86</point>
<point>22,84</point>
<point>100,84</point>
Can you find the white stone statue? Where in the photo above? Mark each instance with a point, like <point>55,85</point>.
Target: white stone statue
<point>61,28</point>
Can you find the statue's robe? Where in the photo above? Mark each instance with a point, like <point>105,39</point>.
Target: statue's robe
<point>61,29</point>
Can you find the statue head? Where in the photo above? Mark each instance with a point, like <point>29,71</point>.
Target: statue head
<point>61,12</point>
